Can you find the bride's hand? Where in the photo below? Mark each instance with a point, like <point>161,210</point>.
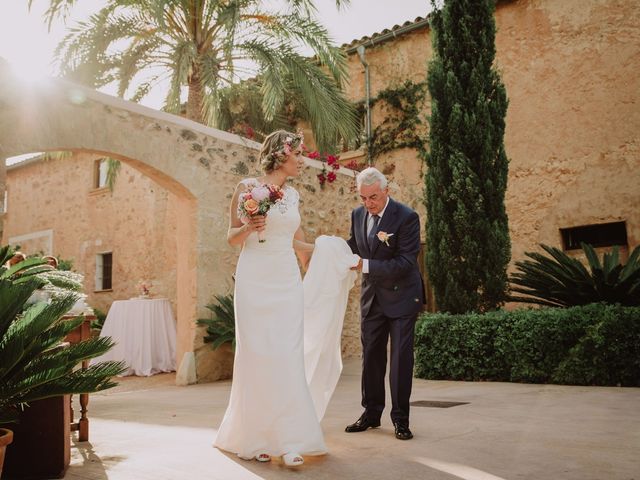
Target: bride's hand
<point>358,267</point>
<point>257,223</point>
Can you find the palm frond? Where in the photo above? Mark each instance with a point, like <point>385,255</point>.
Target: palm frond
<point>221,326</point>
<point>25,268</point>
<point>13,297</point>
<point>36,319</point>
<point>560,280</point>
<point>285,73</point>
<point>293,29</point>
<point>34,362</point>
<point>6,252</point>
<point>183,57</point>
<point>51,337</point>
<point>57,9</point>
<point>205,45</point>
<point>134,59</point>
<point>113,168</point>
<point>62,279</point>
<point>96,378</point>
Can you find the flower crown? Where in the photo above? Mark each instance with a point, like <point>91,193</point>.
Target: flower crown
<point>290,142</point>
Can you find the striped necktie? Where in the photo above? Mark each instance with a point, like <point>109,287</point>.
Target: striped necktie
<point>372,229</point>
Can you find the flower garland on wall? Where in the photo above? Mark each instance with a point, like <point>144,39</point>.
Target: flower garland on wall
<point>402,127</point>
<point>331,161</point>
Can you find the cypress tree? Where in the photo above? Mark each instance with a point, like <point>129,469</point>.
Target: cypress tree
<point>468,246</point>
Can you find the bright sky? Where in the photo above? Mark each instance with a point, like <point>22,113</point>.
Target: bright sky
<point>28,46</point>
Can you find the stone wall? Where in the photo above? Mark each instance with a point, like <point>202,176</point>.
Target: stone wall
<point>136,222</point>
<point>573,123</point>
<point>573,126</point>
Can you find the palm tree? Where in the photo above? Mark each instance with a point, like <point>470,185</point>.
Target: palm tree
<point>207,45</point>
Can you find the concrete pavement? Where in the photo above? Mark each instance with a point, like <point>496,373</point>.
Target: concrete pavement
<point>147,428</point>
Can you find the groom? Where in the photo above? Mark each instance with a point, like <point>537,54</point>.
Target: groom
<point>386,236</point>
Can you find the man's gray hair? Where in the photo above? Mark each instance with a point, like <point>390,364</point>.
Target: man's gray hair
<point>369,176</point>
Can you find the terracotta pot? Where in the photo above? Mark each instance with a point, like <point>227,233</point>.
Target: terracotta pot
<point>6,437</point>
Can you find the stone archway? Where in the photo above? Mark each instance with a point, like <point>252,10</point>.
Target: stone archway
<point>184,157</point>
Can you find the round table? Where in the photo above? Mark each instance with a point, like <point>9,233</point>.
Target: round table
<point>144,333</point>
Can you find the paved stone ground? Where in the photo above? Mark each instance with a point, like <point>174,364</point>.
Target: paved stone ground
<point>147,428</point>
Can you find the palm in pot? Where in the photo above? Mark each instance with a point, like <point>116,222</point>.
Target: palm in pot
<point>34,362</point>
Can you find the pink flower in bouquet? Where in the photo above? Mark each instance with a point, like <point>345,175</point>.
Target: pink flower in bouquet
<point>260,193</point>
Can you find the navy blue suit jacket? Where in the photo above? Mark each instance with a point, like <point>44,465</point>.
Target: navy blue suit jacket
<point>394,277</point>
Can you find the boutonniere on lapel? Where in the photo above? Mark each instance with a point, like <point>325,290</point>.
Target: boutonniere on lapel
<point>384,237</point>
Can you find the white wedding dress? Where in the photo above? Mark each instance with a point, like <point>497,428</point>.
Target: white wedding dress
<point>326,291</point>
<point>270,409</point>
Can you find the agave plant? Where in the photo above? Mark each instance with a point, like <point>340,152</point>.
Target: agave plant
<point>558,280</point>
<point>221,327</point>
<point>34,363</point>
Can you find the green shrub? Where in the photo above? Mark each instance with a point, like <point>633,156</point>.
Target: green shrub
<point>446,347</point>
<point>595,344</point>
<point>64,264</point>
<point>608,353</point>
<point>540,339</point>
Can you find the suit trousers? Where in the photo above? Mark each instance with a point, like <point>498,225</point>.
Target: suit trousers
<point>376,328</point>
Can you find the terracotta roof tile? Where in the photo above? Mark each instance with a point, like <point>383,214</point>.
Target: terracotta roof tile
<point>386,31</point>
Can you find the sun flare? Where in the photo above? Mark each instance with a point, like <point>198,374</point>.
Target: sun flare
<point>29,72</point>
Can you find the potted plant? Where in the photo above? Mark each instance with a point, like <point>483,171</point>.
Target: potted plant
<point>6,437</point>
<point>221,327</point>
<point>34,362</point>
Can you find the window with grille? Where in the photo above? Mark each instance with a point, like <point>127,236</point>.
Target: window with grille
<point>602,235</point>
<point>104,269</point>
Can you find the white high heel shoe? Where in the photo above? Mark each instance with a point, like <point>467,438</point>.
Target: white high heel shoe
<point>292,459</point>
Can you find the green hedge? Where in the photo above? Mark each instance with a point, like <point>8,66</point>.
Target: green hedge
<point>595,344</point>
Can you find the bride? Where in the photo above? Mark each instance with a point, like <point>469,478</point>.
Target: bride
<point>271,411</point>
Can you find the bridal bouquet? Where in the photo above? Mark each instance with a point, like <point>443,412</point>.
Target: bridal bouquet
<point>258,200</point>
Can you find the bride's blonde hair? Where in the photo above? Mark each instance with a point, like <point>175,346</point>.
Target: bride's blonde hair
<point>276,147</point>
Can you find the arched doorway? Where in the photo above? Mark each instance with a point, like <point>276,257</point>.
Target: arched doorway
<point>193,162</point>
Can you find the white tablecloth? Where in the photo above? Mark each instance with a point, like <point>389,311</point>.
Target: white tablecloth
<point>144,332</point>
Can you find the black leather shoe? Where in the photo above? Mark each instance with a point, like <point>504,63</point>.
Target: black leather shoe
<point>403,432</point>
<point>362,424</point>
